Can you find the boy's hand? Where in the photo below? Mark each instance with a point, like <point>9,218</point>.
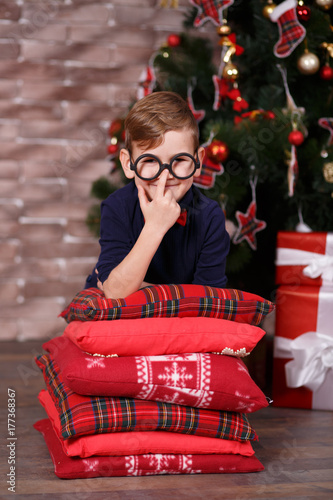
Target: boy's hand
<point>163,210</point>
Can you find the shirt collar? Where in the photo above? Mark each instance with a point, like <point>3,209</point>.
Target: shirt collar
<point>187,200</point>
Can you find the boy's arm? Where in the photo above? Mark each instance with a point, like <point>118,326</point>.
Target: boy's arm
<point>160,214</point>
<point>144,283</point>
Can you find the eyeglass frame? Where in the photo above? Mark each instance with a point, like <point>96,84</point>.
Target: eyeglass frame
<point>163,166</point>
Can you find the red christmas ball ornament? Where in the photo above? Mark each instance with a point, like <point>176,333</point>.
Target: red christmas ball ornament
<point>296,138</point>
<point>303,12</point>
<point>115,127</point>
<point>174,40</point>
<point>217,151</point>
<point>326,72</point>
<point>270,115</point>
<point>112,149</point>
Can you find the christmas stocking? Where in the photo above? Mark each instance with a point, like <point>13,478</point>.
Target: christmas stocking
<point>199,114</point>
<point>290,30</point>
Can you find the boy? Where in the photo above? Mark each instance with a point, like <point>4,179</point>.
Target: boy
<point>141,241</point>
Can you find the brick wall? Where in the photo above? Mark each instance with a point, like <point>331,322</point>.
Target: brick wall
<point>67,68</point>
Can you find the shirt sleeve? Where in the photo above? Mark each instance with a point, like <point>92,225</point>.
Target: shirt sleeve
<point>210,269</point>
<point>115,238</point>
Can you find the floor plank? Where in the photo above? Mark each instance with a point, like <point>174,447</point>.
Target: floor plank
<point>295,446</point>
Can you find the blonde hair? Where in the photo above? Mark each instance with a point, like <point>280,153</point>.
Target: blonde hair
<point>154,115</point>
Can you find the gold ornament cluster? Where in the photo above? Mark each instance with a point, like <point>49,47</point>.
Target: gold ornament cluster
<point>268,9</point>
<point>230,70</point>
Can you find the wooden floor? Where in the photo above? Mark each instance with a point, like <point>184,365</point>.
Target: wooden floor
<point>296,448</point>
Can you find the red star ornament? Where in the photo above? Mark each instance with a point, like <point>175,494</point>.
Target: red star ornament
<point>147,82</point>
<point>209,170</point>
<point>248,226</point>
<point>210,9</point>
<point>221,86</point>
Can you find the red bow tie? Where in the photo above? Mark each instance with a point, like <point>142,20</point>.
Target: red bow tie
<point>182,218</point>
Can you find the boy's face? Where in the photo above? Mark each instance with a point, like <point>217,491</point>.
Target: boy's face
<point>175,142</point>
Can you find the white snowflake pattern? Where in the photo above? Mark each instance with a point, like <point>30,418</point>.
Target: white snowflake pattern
<point>159,461</point>
<point>187,465</point>
<point>172,399</point>
<point>175,376</point>
<point>95,363</point>
<point>243,405</point>
<point>222,469</point>
<point>162,464</point>
<point>131,465</point>
<point>90,465</point>
<point>176,357</point>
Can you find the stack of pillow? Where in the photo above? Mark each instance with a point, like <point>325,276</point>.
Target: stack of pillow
<point>153,383</point>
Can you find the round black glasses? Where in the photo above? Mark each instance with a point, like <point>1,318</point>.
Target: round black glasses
<point>148,166</point>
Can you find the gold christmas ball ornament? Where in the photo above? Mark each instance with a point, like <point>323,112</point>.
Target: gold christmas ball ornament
<point>324,4</point>
<point>308,63</point>
<point>328,172</point>
<point>268,9</point>
<point>223,30</point>
<point>230,71</point>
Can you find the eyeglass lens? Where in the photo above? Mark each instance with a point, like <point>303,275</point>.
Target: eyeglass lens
<point>181,166</point>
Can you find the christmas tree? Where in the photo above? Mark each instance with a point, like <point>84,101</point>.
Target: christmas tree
<point>265,113</point>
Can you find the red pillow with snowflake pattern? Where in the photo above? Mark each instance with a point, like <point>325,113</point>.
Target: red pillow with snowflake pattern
<point>201,380</point>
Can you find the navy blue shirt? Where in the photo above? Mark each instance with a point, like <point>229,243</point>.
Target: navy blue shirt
<point>194,253</point>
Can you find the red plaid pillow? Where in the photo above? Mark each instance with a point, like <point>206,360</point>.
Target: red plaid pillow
<point>169,301</point>
<point>198,380</point>
<point>140,465</point>
<point>139,443</point>
<point>81,415</point>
